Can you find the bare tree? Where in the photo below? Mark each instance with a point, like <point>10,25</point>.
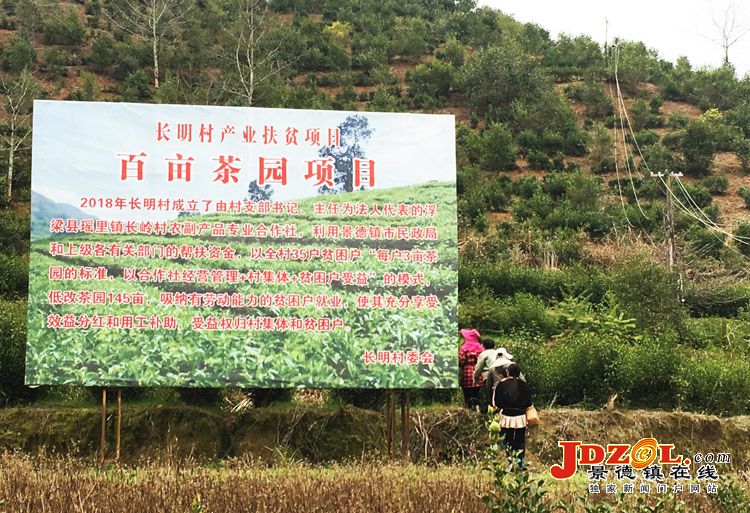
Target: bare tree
<point>154,21</point>
<point>257,49</point>
<point>19,99</point>
<point>729,23</point>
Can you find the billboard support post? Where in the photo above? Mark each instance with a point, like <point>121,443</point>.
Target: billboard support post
<point>102,438</point>
<point>405,424</point>
<point>390,421</point>
<point>118,425</point>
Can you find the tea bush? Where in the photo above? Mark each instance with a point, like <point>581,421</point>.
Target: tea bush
<point>713,381</point>
<point>12,351</point>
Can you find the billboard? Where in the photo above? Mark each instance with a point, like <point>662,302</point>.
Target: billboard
<point>226,246</point>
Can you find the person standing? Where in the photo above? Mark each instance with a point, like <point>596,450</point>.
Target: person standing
<point>512,397</point>
<point>496,371</point>
<point>485,361</point>
<point>468,355</point>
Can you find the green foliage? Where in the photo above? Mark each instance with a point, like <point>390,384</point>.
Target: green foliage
<point>14,233</point>
<point>410,37</point>
<point>716,184</point>
<point>577,369</point>
<point>103,52</point>
<point>677,120</point>
<point>453,52</point>
<point>744,193</point>
<point>63,28</point>
<point>642,116</point>
<point>499,75</point>
<point>53,63</point>
<point>573,57</point>
<point>14,275</point>
<point>504,279</point>
<point>321,50</point>
<point>136,87</point>
<point>498,150</point>
<point>705,243</point>
<point>742,232</point>
<point>538,160</point>
<point>578,315</point>
<point>648,292</point>
<point>602,149</point>
<point>19,54</point>
<point>732,497</point>
<point>12,350</point>
<point>699,143</point>
<point>637,63</point>
<point>521,312</point>
<point>513,487</point>
<point>434,79</point>
<point>713,381</point>
<point>742,150</point>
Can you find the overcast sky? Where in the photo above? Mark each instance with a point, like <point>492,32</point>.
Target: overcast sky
<point>673,27</point>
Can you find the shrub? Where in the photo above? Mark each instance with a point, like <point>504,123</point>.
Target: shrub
<point>102,54</point>
<point>677,120</point>
<point>713,381</point>
<point>54,62</point>
<point>742,232</point>
<point>644,374</point>
<point>14,276</point>
<point>647,138</point>
<point>716,184</point>
<point>499,75</point>
<point>453,52</point>
<point>744,193</point>
<point>522,311</point>
<point>574,370</point>
<point>706,243</point>
<point>642,116</point>
<point>434,78</point>
<point>12,351</point>
<point>698,144</point>
<point>14,233</point>
<point>64,29</point>
<point>648,292</point>
<point>498,149</point>
<point>526,187</point>
<point>19,54</point>
<point>137,86</point>
<point>538,160</point>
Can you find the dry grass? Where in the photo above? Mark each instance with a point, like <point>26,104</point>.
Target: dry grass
<point>66,485</point>
<point>61,485</point>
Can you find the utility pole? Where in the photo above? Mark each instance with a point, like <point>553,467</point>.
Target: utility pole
<point>669,224</point>
<point>669,221</point>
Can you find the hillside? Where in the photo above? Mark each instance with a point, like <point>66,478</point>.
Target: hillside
<point>562,233</point>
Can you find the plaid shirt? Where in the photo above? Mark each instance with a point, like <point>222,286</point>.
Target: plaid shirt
<point>466,363</point>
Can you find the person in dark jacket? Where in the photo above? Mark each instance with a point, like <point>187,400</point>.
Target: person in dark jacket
<point>512,397</point>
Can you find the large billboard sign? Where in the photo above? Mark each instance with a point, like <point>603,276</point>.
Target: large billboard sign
<point>226,246</point>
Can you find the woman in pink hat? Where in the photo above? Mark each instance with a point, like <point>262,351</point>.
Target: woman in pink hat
<point>467,359</point>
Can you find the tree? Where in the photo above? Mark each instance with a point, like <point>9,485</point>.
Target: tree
<point>19,98</point>
<point>728,25</point>
<point>154,21</point>
<point>699,142</point>
<point>498,148</point>
<point>353,132</point>
<point>257,193</point>
<point>257,54</point>
<point>499,75</point>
